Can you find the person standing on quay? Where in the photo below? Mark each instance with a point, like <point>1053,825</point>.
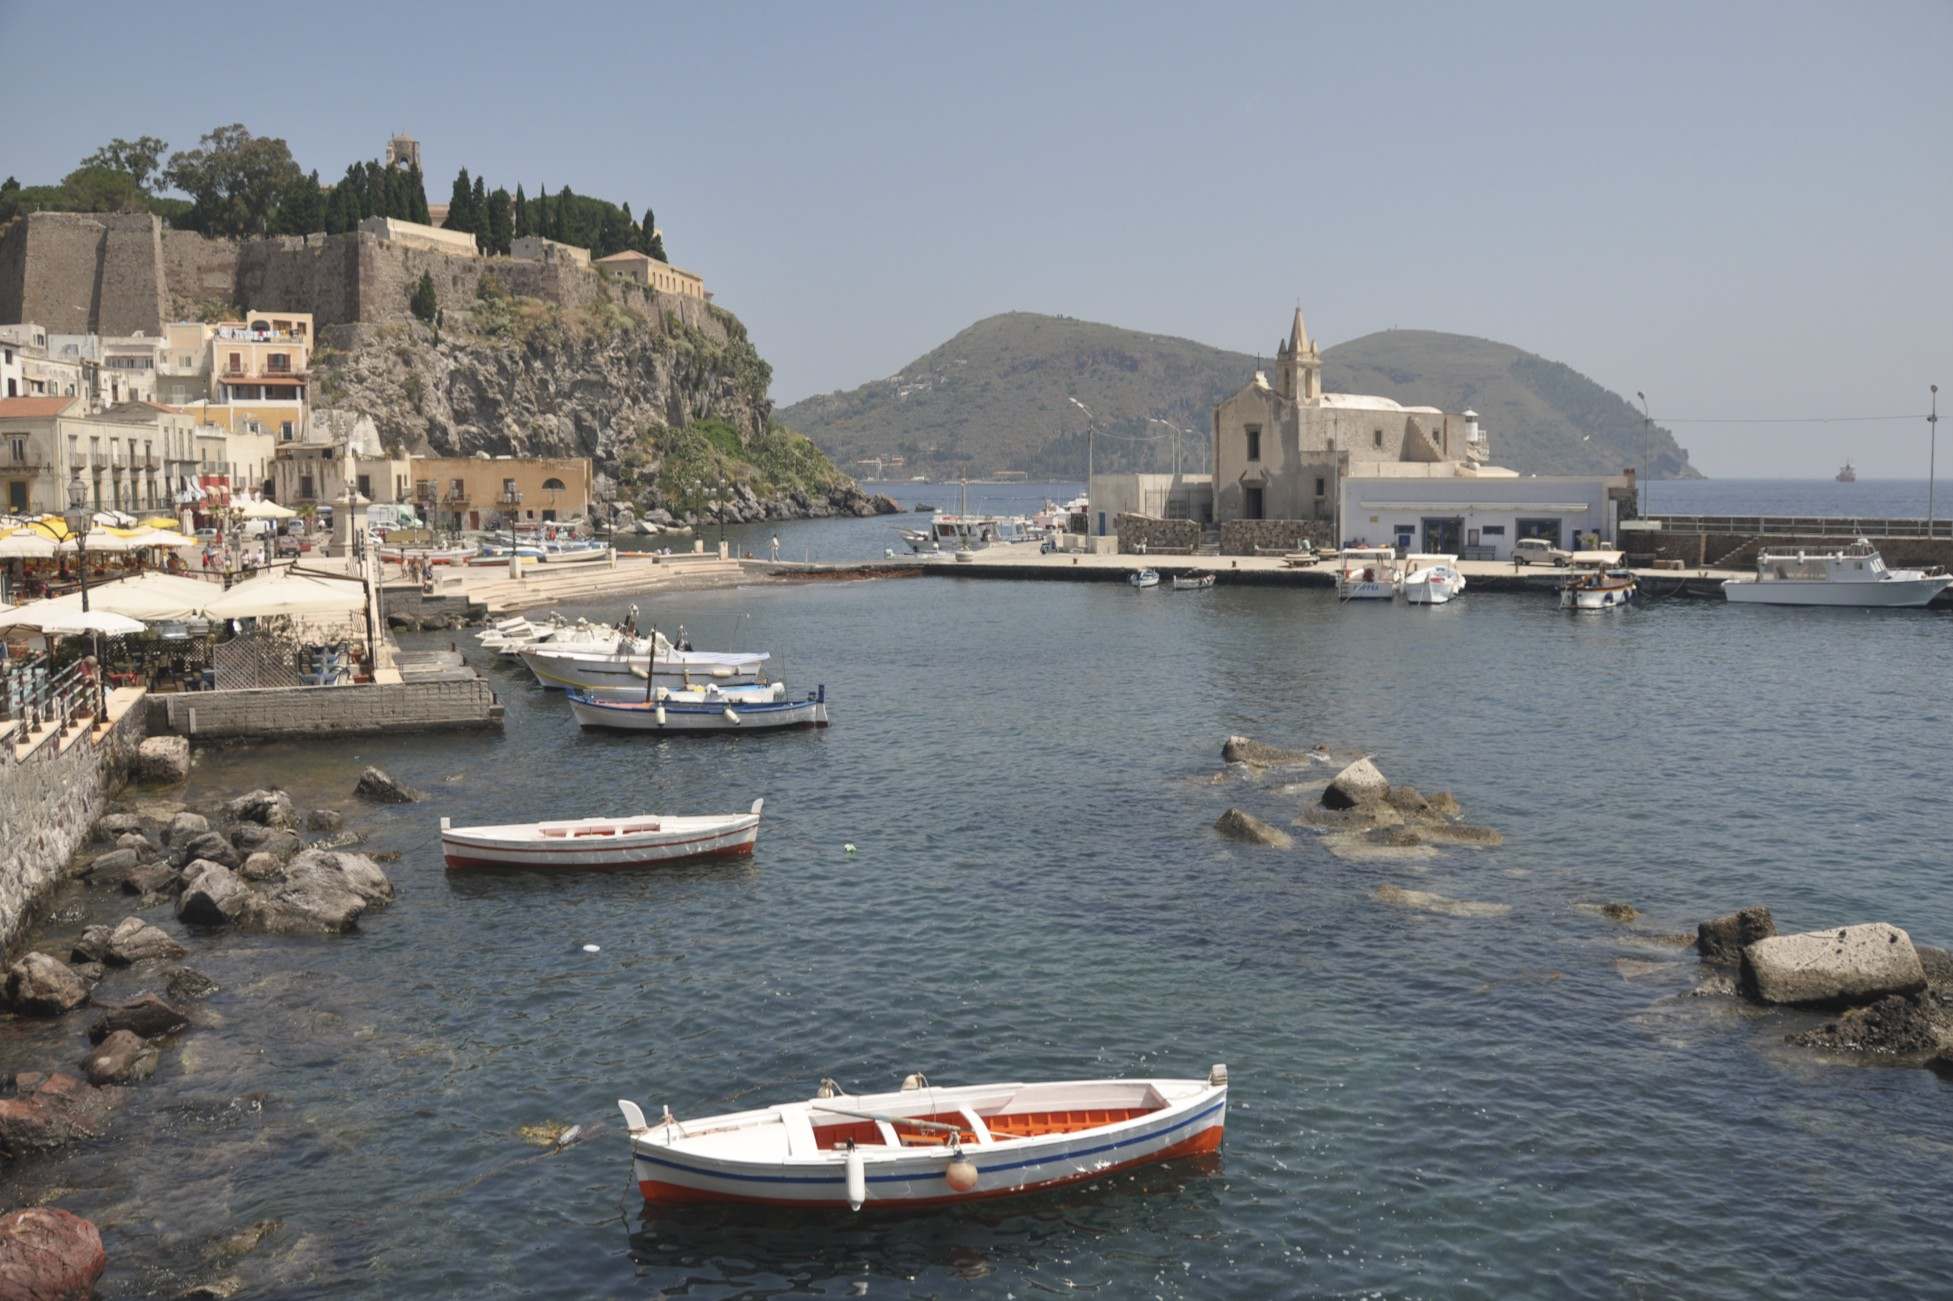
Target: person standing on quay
<point>773,551</point>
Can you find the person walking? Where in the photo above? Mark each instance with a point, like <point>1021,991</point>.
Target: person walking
<point>773,549</point>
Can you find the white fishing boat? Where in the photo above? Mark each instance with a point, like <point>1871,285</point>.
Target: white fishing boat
<point>1601,589</point>
<point>925,1145</point>
<point>1145,578</point>
<point>621,662</point>
<point>1192,581</point>
<point>639,841</point>
<point>706,709</point>
<point>1432,579</point>
<point>1367,574</point>
<point>1855,576</point>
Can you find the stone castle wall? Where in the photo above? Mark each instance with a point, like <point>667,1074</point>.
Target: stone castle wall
<point>82,273</point>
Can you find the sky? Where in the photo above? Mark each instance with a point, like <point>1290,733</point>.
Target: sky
<point>1744,210</point>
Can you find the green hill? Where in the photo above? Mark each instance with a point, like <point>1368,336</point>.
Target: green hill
<point>995,398</point>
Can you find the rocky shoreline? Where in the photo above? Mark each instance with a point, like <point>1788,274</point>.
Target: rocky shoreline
<point>252,864</point>
<point>652,518</point>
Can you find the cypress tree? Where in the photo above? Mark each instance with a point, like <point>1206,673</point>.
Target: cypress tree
<point>539,219</point>
<point>521,212</point>
<point>398,204</point>
<point>423,304</point>
<point>567,229</point>
<point>376,189</point>
<point>657,249</point>
<point>459,200</point>
<point>417,195</point>
<point>501,222</point>
<point>479,211</point>
<point>645,231</point>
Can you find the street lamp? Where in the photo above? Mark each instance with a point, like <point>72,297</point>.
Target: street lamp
<point>722,508</point>
<point>1932,452</point>
<point>1647,426</point>
<point>1090,446</point>
<point>511,498</point>
<point>79,519</point>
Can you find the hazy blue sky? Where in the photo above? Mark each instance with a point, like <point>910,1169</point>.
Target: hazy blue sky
<point>1741,208</point>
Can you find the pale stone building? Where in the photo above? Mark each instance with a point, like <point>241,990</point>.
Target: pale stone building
<point>134,457</point>
<point>644,269</point>
<point>114,369</point>
<point>29,370</point>
<point>470,492</point>
<point>1281,449</point>
<point>411,234</point>
<point>534,248</point>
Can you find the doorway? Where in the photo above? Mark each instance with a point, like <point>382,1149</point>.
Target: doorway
<point>1251,503</point>
<point>1444,534</point>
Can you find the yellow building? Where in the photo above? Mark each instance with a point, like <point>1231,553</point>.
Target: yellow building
<point>470,492</point>
<point>641,268</point>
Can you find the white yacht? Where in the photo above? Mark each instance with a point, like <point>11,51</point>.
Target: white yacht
<point>1855,576</point>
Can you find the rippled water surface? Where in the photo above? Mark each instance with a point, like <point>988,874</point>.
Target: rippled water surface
<point>1423,1105</point>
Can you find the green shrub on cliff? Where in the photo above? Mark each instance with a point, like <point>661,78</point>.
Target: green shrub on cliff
<point>424,304</point>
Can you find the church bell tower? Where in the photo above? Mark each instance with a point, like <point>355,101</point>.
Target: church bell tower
<point>1299,364</point>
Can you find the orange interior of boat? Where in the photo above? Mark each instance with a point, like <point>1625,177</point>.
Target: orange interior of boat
<point>1029,1124</point>
<point>561,832</point>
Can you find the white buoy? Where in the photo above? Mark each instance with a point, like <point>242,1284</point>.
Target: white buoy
<point>848,848</point>
<point>857,1179</point>
<point>661,713</point>
<point>730,716</point>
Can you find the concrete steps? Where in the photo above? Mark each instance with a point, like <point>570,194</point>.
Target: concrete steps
<point>549,588</point>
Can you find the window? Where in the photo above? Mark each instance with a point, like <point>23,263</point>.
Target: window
<point>285,431</point>
<point>366,487</point>
<point>553,485</point>
<point>1493,530</point>
<point>1321,485</point>
<point>1254,449</point>
<point>1376,438</point>
<point>237,364</point>
<point>20,451</point>
<point>1549,529</point>
<point>17,497</point>
<point>304,486</point>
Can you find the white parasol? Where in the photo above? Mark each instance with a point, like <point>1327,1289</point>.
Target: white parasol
<point>105,622</point>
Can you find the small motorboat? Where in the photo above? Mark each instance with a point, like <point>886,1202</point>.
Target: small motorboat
<point>1432,579</point>
<point>640,841</point>
<point>622,661</point>
<point>924,1145</point>
<point>1368,574</point>
<point>1603,589</point>
<point>707,709</point>
<point>1192,581</point>
<point>1145,578</point>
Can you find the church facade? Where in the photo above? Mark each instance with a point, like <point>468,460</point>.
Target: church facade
<point>1282,449</point>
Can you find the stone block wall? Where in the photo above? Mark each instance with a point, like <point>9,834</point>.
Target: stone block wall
<point>48,805</point>
<point>328,711</point>
<point>1168,535</point>
<point>1250,537</point>
<point>81,273</point>
<point>1738,551</point>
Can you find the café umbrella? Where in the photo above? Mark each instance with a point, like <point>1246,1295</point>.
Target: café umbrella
<point>105,623</point>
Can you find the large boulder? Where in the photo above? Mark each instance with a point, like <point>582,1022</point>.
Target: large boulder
<point>212,895</point>
<point>324,820</point>
<point>184,983</point>
<point>48,1254</point>
<point>1852,964</point>
<point>91,945</point>
<point>108,866</point>
<point>1723,939</point>
<point>1938,964</point>
<point>163,759</point>
<point>211,845</point>
<point>280,842</point>
<point>49,1110</point>
<point>1895,1026</point>
<point>146,1017</point>
<point>1245,749</point>
<point>1236,824</point>
<point>185,826</point>
<point>1359,784</point>
<point>42,985</point>
<point>150,879</point>
<point>111,825</point>
<point>376,786</point>
<point>271,808</point>
<point>121,1058</point>
<point>320,892</point>
<point>134,939</point>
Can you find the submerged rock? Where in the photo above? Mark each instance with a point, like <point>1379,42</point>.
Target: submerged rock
<point>134,939</point>
<point>121,1058</point>
<point>185,983</point>
<point>1723,939</point>
<point>270,808</point>
<point>1852,964</point>
<point>152,879</point>
<point>1244,749</point>
<point>146,1017</point>
<point>185,826</point>
<point>1438,903</point>
<point>111,825</point>
<point>324,820</point>
<point>1895,1026</point>
<point>242,1242</point>
<point>1360,783</point>
<point>42,985</point>
<point>1616,911</point>
<point>1236,824</point>
<point>48,1254</point>
<point>212,895</point>
<point>376,786</point>
<point>49,1110</point>
<point>163,759</point>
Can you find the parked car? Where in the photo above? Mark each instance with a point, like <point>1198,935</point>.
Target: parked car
<point>206,535</point>
<point>1538,551</point>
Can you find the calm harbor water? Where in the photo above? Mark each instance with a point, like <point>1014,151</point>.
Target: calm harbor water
<point>1424,1105</point>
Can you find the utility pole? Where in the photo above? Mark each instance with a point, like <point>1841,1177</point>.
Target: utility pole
<point>1647,429</point>
<point>1932,453</point>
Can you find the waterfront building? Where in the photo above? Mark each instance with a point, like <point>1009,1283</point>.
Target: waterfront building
<point>411,234</point>
<point>1479,517</point>
<point>642,268</point>
<point>29,370</point>
<point>468,492</point>
<point>534,248</point>
<point>310,470</point>
<point>114,369</point>
<point>133,457</point>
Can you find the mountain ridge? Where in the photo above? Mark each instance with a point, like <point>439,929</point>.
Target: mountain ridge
<point>996,396</point>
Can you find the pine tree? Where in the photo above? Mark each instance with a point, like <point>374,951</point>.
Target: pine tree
<point>478,206</point>
<point>501,222</point>
<point>521,212</point>
<point>459,201</point>
<point>423,304</point>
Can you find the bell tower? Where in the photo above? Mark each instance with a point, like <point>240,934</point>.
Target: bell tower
<point>1300,364</point>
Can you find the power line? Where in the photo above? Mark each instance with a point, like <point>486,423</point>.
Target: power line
<point>1776,420</point>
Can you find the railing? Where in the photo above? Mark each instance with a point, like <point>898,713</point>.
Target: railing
<point>31,694</point>
<point>1798,526</point>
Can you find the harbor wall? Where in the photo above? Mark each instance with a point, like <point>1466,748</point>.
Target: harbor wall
<point>1251,537</point>
<point>49,800</point>
<point>1697,549</point>
<point>1167,536</point>
<point>327,711</point>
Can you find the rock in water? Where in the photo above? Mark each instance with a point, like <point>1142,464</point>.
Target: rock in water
<point>1620,912</point>
<point>321,892</point>
<point>153,879</point>
<point>1723,939</point>
<point>49,1110</point>
<point>210,845</point>
<point>279,842</point>
<point>137,841</point>
<point>147,1017</point>
<point>1438,903</point>
<point>271,808</point>
<point>108,866</point>
<point>188,983</point>
<point>185,826</point>
<point>122,1058</point>
<point>40,985</point>
<point>1852,964</point>
<point>324,820</point>
<point>376,786</point>
<point>91,945</point>
<point>211,896</point>
<point>111,825</point>
<point>47,1254</point>
<point>1938,964</point>
<point>163,759</point>
<point>1237,825</point>
<point>1892,1027</point>
<point>1360,783</point>
<point>134,939</point>
<point>1243,749</point>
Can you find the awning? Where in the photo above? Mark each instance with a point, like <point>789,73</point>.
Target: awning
<point>1519,507</point>
<point>1607,559</point>
<point>26,544</point>
<point>289,593</point>
<point>265,510</point>
<point>152,597</point>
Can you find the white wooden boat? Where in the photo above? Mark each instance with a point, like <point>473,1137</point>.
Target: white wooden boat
<point>1855,576</point>
<point>1599,590</point>
<point>1367,574</point>
<point>1432,579</point>
<point>925,1145</point>
<point>707,710</point>
<point>1145,578</point>
<point>639,841</point>
<point>621,662</point>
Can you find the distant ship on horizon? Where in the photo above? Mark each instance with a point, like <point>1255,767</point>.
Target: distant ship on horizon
<point>1847,475</point>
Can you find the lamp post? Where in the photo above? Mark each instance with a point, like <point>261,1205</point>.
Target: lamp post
<point>1932,453</point>
<point>79,520</point>
<point>1647,427</point>
<point>511,498</point>
<point>1091,445</point>
<point>722,508</point>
